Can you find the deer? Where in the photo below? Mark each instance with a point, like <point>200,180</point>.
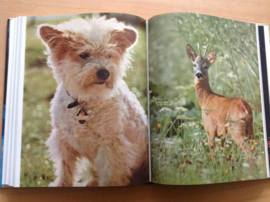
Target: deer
<point>221,116</point>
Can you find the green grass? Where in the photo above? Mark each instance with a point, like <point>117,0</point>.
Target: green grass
<point>39,86</point>
<point>180,154</point>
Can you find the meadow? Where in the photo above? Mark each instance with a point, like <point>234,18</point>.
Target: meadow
<point>39,88</point>
<point>179,146</point>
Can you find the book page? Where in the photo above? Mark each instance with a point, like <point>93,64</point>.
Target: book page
<point>85,101</point>
<point>206,108</point>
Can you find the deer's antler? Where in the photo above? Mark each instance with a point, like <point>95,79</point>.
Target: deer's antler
<point>199,49</point>
<point>205,51</point>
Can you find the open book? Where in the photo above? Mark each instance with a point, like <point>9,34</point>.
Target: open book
<point>110,99</point>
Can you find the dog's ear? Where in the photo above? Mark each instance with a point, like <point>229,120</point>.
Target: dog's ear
<point>124,39</point>
<point>49,35</point>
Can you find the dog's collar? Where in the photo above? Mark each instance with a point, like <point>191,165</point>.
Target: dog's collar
<point>81,114</point>
<point>74,103</point>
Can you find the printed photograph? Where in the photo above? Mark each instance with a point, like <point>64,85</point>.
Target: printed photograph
<point>206,117</point>
<point>85,101</point>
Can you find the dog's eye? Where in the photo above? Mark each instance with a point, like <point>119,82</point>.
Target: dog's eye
<point>109,56</point>
<point>85,55</point>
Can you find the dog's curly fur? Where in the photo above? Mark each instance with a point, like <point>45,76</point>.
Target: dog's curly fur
<point>114,138</point>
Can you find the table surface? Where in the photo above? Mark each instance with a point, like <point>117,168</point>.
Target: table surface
<point>247,10</point>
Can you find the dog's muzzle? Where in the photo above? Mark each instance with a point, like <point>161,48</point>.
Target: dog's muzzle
<point>103,74</point>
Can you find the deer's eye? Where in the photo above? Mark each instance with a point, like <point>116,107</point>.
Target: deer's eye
<point>205,67</point>
<point>194,65</point>
<point>109,56</point>
<point>85,55</point>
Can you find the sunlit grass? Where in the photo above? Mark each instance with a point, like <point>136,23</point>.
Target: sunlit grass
<point>180,154</point>
<point>39,87</point>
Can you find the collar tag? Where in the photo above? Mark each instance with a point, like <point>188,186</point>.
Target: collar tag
<point>81,115</point>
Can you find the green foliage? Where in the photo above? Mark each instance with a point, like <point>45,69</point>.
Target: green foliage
<point>39,88</point>
<point>180,152</point>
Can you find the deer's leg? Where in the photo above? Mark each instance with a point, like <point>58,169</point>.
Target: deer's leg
<point>222,142</point>
<point>249,127</point>
<point>211,143</point>
<point>238,132</point>
<point>221,132</point>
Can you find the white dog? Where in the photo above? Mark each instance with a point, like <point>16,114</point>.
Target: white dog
<point>94,114</point>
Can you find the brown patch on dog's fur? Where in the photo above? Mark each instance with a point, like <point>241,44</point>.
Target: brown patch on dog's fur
<point>123,39</point>
<point>89,79</point>
<point>50,35</point>
<point>110,81</point>
<point>69,157</point>
<point>62,44</point>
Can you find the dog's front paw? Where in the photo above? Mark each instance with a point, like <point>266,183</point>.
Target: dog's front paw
<point>53,184</point>
<point>56,183</point>
<point>93,183</point>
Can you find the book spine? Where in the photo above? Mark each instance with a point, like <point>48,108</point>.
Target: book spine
<point>4,103</point>
<point>263,61</point>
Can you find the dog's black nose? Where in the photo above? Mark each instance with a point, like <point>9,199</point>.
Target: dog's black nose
<point>103,74</point>
<point>199,75</point>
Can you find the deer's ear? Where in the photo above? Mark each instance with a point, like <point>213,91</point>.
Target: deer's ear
<point>211,57</point>
<point>191,53</point>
